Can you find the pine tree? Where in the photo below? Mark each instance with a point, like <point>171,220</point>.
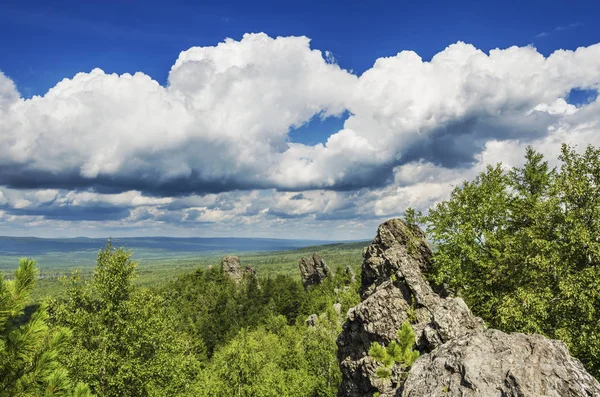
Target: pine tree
<point>29,348</point>
<point>398,351</point>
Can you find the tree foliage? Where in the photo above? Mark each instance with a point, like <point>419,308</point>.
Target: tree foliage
<point>277,359</point>
<point>255,333</point>
<point>30,350</point>
<point>124,342</point>
<point>213,309</point>
<point>522,247</point>
<point>398,351</point>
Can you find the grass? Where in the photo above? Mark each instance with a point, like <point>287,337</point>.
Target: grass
<point>156,269</point>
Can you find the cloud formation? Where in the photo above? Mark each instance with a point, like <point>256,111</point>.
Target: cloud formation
<point>560,28</point>
<point>213,146</point>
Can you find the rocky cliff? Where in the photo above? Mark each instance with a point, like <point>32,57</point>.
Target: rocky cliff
<point>459,357</point>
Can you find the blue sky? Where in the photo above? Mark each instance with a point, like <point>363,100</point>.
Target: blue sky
<point>42,42</point>
<point>332,141</point>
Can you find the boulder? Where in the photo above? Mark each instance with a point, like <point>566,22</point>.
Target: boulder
<point>313,270</point>
<point>393,291</point>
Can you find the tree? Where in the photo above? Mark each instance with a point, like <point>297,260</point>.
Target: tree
<point>522,248</point>
<point>320,351</point>
<point>29,349</point>
<point>257,363</point>
<point>124,343</point>
<point>398,351</point>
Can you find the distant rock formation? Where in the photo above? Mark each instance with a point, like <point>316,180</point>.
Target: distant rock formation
<point>313,270</point>
<point>230,265</point>
<point>459,357</point>
<point>250,271</point>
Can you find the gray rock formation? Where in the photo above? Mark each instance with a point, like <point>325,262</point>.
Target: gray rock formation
<point>338,308</point>
<point>313,270</point>
<point>250,271</point>
<point>230,265</point>
<point>393,291</point>
<point>493,363</point>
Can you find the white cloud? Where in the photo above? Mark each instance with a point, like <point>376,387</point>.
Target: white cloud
<point>8,92</point>
<point>218,125</point>
<point>180,154</point>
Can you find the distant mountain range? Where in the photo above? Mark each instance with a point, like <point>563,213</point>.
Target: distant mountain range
<point>33,246</point>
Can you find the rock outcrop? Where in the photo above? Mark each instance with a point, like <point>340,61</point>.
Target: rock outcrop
<point>311,321</point>
<point>250,271</point>
<point>230,265</point>
<point>313,270</point>
<point>493,363</point>
<point>458,355</point>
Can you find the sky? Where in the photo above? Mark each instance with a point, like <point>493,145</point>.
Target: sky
<point>277,119</point>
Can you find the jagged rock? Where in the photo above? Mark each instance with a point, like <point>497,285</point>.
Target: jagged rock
<point>313,270</point>
<point>450,338</point>
<point>393,291</point>
<point>493,363</point>
<point>231,266</point>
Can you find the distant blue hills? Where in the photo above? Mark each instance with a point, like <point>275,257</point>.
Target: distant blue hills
<point>33,246</point>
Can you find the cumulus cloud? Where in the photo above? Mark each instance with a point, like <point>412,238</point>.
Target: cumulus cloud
<point>218,125</point>
<point>213,145</point>
<point>8,92</point>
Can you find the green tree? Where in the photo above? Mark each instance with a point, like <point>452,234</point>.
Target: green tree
<point>124,341</point>
<point>522,247</point>
<point>257,363</point>
<point>398,351</point>
<point>255,333</point>
<point>29,348</point>
<point>320,351</point>
<point>214,309</point>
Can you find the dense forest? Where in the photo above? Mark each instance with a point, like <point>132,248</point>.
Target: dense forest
<point>521,246</point>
